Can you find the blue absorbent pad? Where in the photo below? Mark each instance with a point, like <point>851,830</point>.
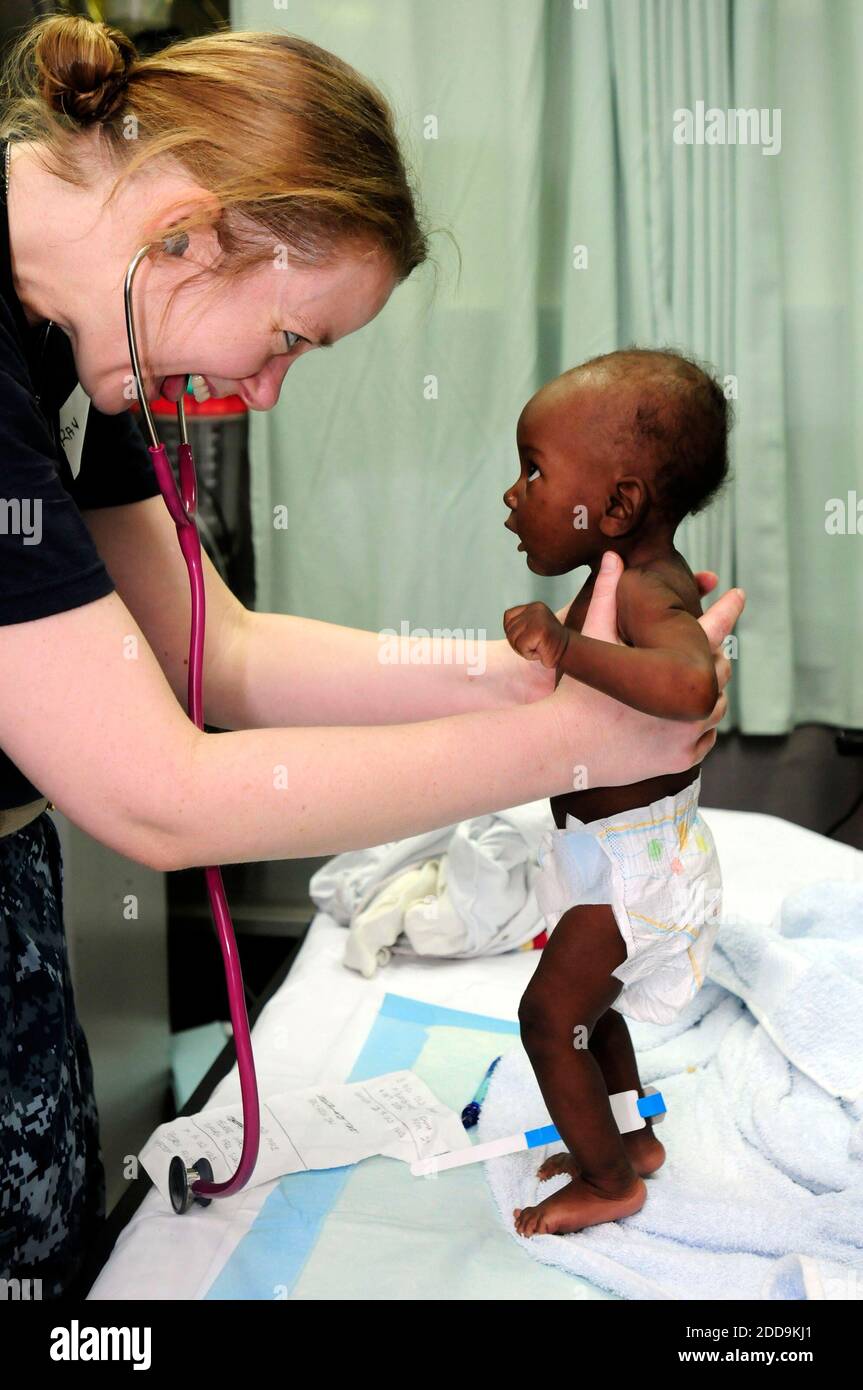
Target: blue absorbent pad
<point>372,1230</point>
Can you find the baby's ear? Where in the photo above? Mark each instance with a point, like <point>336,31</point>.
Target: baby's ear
<point>625,507</point>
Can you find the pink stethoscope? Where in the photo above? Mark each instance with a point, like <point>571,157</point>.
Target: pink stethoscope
<point>195,1184</point>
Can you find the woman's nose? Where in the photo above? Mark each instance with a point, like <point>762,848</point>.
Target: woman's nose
<point>263,390</point>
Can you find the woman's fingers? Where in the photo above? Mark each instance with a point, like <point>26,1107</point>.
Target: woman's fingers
<point>722,667</point>
<point>706,581</point>
<point>705,740</point>
<point>720,618</point>
<point>703,746</point>
<point>601,618</point>
<point>718,712</point>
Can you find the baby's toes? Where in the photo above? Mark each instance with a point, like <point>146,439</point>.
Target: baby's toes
<point>557,1164</point>
<point>525,1222</point>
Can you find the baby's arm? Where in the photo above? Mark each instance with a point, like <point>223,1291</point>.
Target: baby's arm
<point>668,671</point>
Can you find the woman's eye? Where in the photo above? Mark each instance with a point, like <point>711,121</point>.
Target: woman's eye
<point>288,336</point>
<point>529,467</point>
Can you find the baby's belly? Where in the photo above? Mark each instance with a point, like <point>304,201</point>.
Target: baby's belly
<point>593,802</point>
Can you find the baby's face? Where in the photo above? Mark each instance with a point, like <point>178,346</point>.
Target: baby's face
<point>564,438</point>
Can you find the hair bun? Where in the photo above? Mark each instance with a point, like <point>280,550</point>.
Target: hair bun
<point>83,68</point>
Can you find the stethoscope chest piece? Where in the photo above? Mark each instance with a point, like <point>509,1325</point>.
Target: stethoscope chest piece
<point>180,1180</point>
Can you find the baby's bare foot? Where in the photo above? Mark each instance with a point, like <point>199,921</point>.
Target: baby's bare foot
<point>578,1205</point>
<point>645,1152</point>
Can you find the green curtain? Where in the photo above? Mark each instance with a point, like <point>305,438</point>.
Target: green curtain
<point>541,135</point>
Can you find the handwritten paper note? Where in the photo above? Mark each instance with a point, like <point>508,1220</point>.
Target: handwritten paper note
<point>326,1126</point>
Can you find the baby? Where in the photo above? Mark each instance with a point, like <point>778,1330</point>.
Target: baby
<point>614,454</point>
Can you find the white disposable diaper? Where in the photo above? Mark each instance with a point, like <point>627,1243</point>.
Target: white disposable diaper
<point>658,870</point>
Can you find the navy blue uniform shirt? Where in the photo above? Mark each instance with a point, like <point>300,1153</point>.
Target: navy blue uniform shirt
<point>59,455</point>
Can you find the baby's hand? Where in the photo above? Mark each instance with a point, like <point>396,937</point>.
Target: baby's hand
<point>535,633</point>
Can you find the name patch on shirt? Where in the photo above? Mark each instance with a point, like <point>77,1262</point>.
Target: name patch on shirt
<point>73,423</point>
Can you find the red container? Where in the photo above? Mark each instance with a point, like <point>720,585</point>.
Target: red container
<point>218,433</point>
<point>224,405</point>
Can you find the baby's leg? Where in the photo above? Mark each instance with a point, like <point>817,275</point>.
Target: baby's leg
<point>570,991</point>
<point>612,1047</point>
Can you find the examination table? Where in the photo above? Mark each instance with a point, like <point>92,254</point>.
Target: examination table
<point>400,1237</point>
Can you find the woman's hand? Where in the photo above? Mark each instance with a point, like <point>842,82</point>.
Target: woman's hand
<point>630,746</point>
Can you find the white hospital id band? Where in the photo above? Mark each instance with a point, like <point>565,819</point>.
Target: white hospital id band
<point>630,1112</point>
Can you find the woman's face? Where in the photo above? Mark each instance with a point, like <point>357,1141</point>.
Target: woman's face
<point>244,337</point>
<point>70,267</point>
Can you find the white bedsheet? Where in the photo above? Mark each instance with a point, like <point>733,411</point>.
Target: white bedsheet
<point>316,1024</point>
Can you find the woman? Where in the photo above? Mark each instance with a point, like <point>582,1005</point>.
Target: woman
<point>281,164</point>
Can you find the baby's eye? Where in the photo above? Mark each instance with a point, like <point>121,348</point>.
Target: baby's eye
<point>529,467</point>
<point>288,336</point>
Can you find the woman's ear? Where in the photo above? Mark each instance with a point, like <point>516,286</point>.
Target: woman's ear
<point>202,238</point>
<point>625,507</point>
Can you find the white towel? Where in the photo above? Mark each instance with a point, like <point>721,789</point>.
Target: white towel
<point>474,894</point>
<point>761,1194</point>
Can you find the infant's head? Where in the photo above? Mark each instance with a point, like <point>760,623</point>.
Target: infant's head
<point>614,454</point>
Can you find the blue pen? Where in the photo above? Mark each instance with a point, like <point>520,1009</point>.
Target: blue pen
<point>470,1114</point>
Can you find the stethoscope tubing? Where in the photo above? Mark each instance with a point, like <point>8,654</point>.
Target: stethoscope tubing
<point>182,505</point>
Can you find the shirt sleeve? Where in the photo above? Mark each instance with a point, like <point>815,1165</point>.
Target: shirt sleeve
<point>48,559</point>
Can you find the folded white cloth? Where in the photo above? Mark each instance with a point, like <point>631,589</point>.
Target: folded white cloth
<point>464,890</point>
<point>761,1195</point>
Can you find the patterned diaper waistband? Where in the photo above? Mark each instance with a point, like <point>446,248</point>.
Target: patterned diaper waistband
<point>679,809</point>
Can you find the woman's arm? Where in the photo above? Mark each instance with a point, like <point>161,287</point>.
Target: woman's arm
<point>288,670</point>
<point>355,787</point>
<point>90,718</point>
<point>285,670</point>
<point>266,669</point>
<point>263,685</point>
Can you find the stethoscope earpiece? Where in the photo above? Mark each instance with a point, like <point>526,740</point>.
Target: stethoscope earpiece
<point>176,243</point>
